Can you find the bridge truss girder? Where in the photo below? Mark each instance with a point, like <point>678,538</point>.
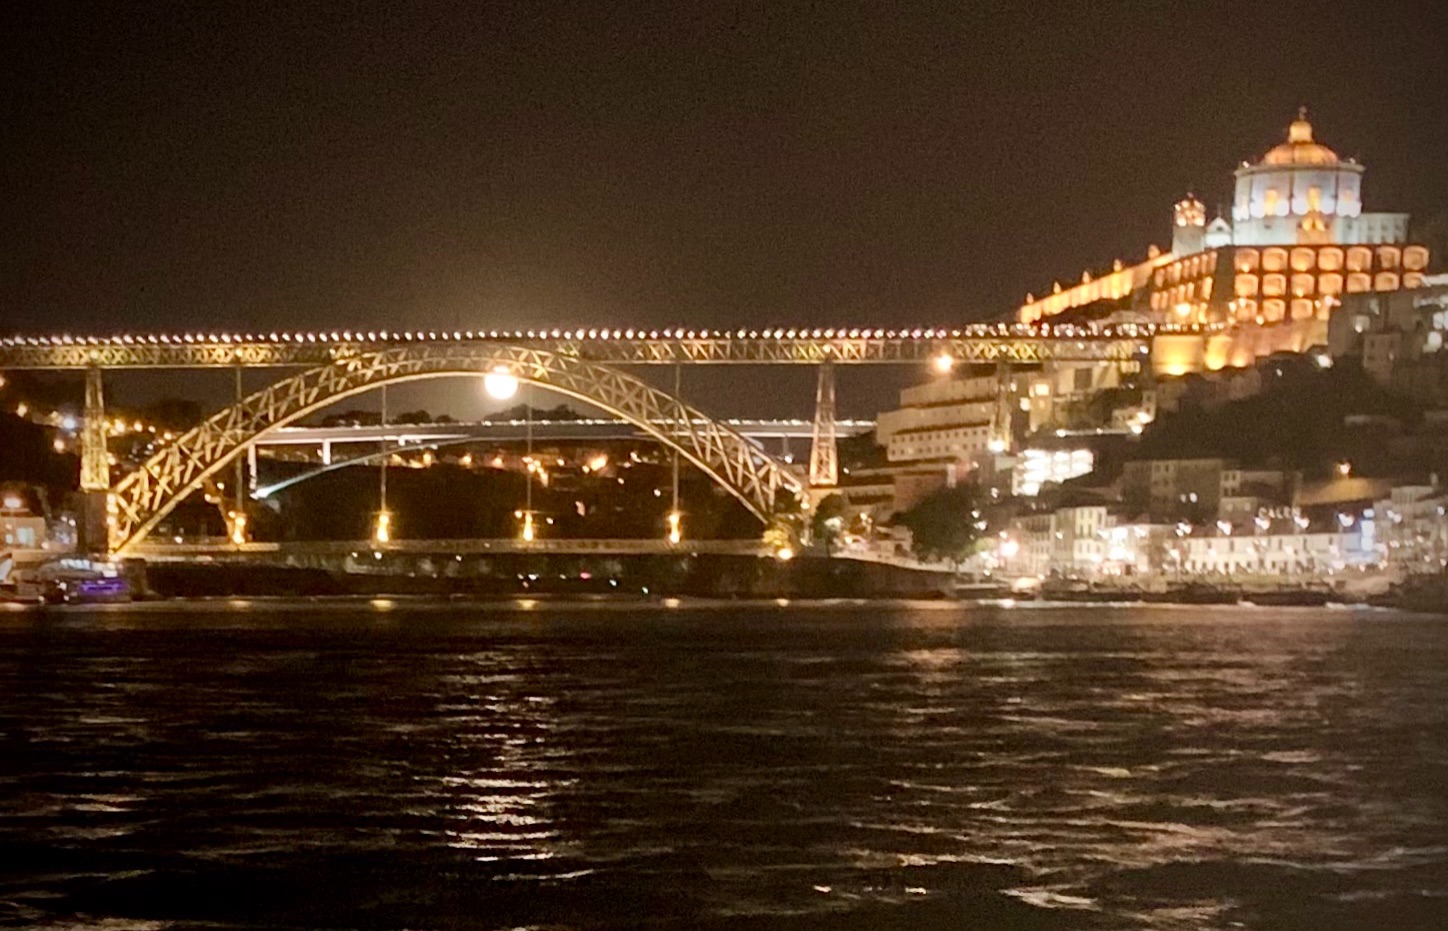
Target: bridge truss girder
<point>967,346</point>
<point>143,498</point>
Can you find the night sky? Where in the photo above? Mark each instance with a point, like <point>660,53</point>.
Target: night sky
<point>710,164</point>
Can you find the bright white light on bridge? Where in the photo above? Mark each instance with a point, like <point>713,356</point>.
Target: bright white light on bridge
<point>500,384</point>
<point>943,363</point>
<point>382,531</point>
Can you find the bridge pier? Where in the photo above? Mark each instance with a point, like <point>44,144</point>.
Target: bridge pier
<point>92,522</point>
<point>824,456</point>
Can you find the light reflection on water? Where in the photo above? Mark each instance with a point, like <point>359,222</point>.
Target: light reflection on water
<point>844,766</point>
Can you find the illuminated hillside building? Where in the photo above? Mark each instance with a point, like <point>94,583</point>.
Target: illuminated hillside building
<point>1297,241</point>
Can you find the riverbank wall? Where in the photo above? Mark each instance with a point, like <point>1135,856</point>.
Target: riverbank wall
<point>703,575</point>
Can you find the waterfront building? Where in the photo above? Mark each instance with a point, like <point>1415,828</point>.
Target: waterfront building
<point>1308,552</point>
<point>1412,527</point>
<point>1035,468</point>
<point>20,528</point>
<point>1296,244</point>
<point>1173,489</point>
<point>952,418</point>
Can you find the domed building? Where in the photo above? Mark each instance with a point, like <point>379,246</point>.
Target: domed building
<point>1298,242</point>
<point>1302,193</point>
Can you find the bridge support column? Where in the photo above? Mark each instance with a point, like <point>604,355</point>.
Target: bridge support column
<point>92,522</point>
<point>1001,432</point>
<point>326,452</point>
<point>824,457</point>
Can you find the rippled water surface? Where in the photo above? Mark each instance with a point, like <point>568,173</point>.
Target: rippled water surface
<point>699,766</point>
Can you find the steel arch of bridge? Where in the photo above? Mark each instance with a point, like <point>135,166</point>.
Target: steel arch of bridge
<point>141,499</point>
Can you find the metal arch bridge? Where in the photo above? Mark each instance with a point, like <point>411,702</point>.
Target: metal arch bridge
<point>141,499</point>
<point>581,363</point>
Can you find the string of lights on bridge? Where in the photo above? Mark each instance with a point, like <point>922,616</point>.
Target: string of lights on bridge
<point>974,331</point>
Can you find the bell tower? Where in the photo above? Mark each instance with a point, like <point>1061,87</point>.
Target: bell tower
<point>1189,226</point>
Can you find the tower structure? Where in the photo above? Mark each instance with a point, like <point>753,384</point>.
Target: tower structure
<point>824,457</point>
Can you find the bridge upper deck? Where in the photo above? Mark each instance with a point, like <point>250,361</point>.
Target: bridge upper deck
<point>977,343</point>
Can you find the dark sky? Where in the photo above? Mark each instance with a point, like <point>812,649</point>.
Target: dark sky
<point>711,164</point>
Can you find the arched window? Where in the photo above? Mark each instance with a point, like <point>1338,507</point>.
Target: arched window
<point>1330,259</point>
<point>1303,259</point>
<point>1412,279</point>
<point>1389,256</point>
<point>1358,282</point>
<point>1246,285</point>
<point>1302,285</point>
<point>1206,289</point>
<point>1247,260</point>
<point>1246,309</point>
<point>1359,259</point>
<point>1415,258</point>
<point>1274,260</point>
<point>1330,283</point>
<point>1301,309</point>
<point>1273,310</point>
<point>1274,285</point>
<point>1386,281</point>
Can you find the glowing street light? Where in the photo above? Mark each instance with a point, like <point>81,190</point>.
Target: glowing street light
<point>943,363</point>
<point>382,530</point>
<point>675,532</point>
<point>784,553</point>
<point>238,527</point>
<point>528,533</point>
<point>1344,469</point>
<point>500,384</point>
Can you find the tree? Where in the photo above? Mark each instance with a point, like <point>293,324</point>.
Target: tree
<point>943,525</point>
<point>828,521</point>
<point>786,523</point>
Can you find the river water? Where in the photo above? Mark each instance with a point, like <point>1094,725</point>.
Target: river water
<point>842,766</point>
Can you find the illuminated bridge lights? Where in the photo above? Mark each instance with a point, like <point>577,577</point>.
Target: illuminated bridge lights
<point>985,342</point>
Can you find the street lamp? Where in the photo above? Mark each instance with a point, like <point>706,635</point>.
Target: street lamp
<point>943,363</point>
<point>382,529</point>
<point>675,531</point>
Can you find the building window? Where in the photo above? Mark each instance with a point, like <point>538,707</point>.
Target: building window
<point>1359,282</point>
<point>1330,283</point>
<point>1273,309</point>
<point>1246,309</point>
<point>1246,285</point>
<point>1247,260</point>
<point>1330,259</point>
<point>1302,285</point>
<point>1359,259</point>
<point>1303,260</point>
<point>1389,256</point>
<point>1274,285</point>
<point>1386,281</point>
<point>1415,258</point>
<point>1269,202</point>
<point>1274,260</point>
<point>1301,309</point>
<point>1412,279</point>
